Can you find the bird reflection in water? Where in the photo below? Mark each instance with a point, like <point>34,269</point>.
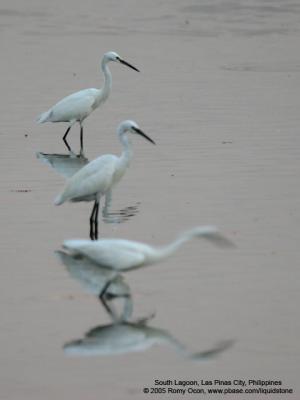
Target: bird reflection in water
<point>127,337</point>
<point>66,165</point>
<point>117,216</point>
<point>107,284</point>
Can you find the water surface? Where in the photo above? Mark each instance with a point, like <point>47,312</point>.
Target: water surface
<point>219,93</point>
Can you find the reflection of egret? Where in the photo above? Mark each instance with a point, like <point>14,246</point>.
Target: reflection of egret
<point>65,164</point>
<point>104,283</point>
<point>93,277</point>
<point>118,216</point>
<point>77,106</point>
<point>125,337</point>
<point>122,255</point>
<point>99,176</point>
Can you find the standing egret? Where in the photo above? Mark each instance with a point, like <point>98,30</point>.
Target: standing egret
<point>66,165</point>
<point>97,178</point>
<point>77,106</point>
<point>124,255</point>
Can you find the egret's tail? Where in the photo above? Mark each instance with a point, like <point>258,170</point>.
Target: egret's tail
<point>44,117</point>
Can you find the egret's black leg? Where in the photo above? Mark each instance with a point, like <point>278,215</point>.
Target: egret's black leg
<point>92,232</point>
<point>81,139</point>
<point>109,310</point>
<point>96,221</point>
<point>111,296</point>
<point>125,314</point>
<point>65,138</point>
<point>102,298</point>
<point>106,286</point>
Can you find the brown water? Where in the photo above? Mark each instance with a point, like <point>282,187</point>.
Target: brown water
<point>219,93</point>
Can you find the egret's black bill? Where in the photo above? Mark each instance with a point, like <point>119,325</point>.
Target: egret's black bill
<point>143,134</point>
<point>128,65</point>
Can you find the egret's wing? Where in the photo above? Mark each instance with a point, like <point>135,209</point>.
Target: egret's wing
<point>95,177</point>
<point>73,107</point>
<point>109,254</point>
<point>121,261</point>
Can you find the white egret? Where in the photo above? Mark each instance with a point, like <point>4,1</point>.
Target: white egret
<point>77,106</point>
<point>124,255</point>
<point>67,165</point>
<point>97,178</point>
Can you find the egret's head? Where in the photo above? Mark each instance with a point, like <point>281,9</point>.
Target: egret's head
<point>113,56</point>
<point>131,126</point>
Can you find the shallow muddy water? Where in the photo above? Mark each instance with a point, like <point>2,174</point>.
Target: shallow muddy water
<point>219,93</point>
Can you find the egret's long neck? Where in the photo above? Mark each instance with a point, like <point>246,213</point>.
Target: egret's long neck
<point>166,251</point>
<point>127,153</point>
<point>107,79</point>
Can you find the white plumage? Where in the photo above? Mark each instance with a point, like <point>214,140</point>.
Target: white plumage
<point>98,177</point>
<point>122,255</point>
<point>77,106</point>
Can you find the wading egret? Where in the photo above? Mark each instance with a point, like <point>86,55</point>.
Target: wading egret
<point>67,165</point>
<point>124,255</point>
<point>77,106</point>
<point>97,178</point>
